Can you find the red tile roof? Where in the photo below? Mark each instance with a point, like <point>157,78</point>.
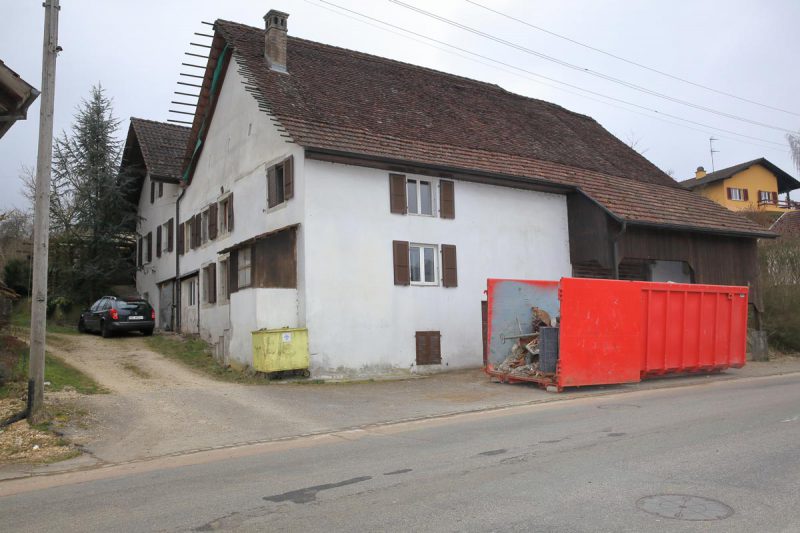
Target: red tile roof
<point>162,146</point>
<point>341,100</point>
<point>788,225</point>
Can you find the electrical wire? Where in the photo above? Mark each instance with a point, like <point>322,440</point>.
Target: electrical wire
<point>584,69</point>
<point>631,62</point>
<point>520,69</point>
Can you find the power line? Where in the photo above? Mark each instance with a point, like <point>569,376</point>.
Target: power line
<point>520,69</point>
<point>585,70</point>
<point>631,62</point>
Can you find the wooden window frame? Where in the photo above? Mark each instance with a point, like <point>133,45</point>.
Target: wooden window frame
<point>204,217</point>
<point>422,270</point>
<point>223,291</point>
<point>244,253</point>
<point>280,183</point>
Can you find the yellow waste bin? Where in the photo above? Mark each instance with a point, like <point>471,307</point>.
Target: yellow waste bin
<point>277,350</point>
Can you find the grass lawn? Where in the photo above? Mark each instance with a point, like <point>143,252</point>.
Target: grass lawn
<point>21,318</point>
<point>60,374</point>
<point>195,353</point>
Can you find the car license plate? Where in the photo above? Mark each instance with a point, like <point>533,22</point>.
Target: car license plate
<point>135,318</point>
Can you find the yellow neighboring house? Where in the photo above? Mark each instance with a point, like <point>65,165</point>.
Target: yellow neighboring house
<point>753,185</point>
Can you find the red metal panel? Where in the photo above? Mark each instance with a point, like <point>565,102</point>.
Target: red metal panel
<point>600,332</point>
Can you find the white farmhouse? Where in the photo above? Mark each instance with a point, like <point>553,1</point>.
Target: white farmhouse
<point>368,201</point>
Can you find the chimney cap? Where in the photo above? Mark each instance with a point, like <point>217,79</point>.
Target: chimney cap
<point>700,169</point>
<point>275,18</point>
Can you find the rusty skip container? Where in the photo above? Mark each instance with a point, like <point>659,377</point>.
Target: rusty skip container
<point>621,331</point>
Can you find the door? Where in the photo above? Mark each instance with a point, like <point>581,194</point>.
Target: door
<point>189,304</point>
<point>92,319</point>
<point>165,314</point>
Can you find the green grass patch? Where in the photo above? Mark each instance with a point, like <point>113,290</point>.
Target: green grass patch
<point>60,374</point>
<point>21,318</point>
<point>195,353</point>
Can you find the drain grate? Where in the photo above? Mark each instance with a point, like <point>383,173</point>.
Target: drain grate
<point>684,507</point>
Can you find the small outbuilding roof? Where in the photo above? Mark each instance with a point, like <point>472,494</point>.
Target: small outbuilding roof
<point>786,182</point>
<point>16,95</point>
<point>788,224</point>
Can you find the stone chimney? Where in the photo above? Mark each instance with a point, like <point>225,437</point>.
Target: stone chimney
<point>700,173</point>
<point>275,39</point>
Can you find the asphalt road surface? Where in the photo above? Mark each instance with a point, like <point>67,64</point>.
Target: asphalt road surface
<point>721,456</point>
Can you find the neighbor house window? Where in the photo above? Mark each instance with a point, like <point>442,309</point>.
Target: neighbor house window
<point>422,263</point>
<point>167,240</point>
<point>419,194</point>
<point>767,197</point>
<point>204,227</point>
<point>243,264</point>
<point>737,194</point>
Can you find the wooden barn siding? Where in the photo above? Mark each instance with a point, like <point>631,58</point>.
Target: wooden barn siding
<point>714,259</point>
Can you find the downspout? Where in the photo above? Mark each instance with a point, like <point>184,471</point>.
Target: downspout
<point>176,300</point>
<point>615,249</point>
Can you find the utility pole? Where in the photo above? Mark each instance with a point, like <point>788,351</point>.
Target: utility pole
<point>41,212</point>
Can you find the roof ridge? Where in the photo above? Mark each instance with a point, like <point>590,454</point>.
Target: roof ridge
<point>160,123</point>
<point>412,66</point>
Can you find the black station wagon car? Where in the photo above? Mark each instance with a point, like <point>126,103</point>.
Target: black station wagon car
<point>110,314</point>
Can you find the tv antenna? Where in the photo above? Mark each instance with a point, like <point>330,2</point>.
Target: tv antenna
<point>711,149</point>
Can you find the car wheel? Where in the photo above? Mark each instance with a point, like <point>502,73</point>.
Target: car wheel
<point>104,331</point>
<point>147,332</point>
<point>81,326</point>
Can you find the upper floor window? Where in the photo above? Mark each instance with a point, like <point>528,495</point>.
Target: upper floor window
<point>419,195</point>
<point>225,211</point>
<point>414,196</point>
<point>204,227</point>
<point>737,194</point>
<point>280,182</point>
<point>422,262</point>
<point>152,191</point>
<point>160,189</point>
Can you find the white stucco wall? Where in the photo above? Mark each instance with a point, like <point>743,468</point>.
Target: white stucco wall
<point>255,309</point>
<point>150,217</point>
<point>358,319</point>
<point>241,144</point>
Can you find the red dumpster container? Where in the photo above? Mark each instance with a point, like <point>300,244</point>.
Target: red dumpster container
<point>620,331</point>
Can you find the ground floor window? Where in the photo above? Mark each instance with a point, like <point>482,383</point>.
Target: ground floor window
<point>210,283</point>
<point>243,265</point>
<point>191,296</point>
<point>224,294</point>
<point>422,262</point>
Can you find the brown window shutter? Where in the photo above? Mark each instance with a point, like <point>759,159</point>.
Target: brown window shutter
<point>212,283</point>
<point>212,221</point>
<point>775,198</point>
<point>192,232</point>
<point>402,273</point>
<point>447,200</point>
<point>397,194</point>
<point>288,178</point>
<point>429,348</point>
<point>449,266</point>
<point>272,187</point>
<point>233,271</point>
<point>152,191</point>
<point>230,213</point>
<point>745,196</point>
<point>730,194</point>
<point>171,234</point>
<point>149,246</point>
<point>158,241</point>
<point>181,237</point>
<point>139,254</point>
<point>196,221</point>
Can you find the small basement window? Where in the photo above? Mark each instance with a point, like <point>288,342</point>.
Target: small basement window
<point>429,347</point>
<point>422,263</point>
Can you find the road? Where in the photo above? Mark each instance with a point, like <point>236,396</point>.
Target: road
<point>587,464</point>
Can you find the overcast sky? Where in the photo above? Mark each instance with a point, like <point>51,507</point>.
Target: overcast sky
<point>746,48</point>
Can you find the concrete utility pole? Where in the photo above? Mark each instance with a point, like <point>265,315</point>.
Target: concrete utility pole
<point>41,212</point>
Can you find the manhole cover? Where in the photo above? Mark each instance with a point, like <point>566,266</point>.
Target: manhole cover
<point>684,507</point>
<point>617,406</point>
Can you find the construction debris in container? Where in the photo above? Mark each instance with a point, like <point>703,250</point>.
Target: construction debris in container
<point>524,358</point>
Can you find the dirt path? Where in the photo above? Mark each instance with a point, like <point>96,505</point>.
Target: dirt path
<point>156,406</point>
